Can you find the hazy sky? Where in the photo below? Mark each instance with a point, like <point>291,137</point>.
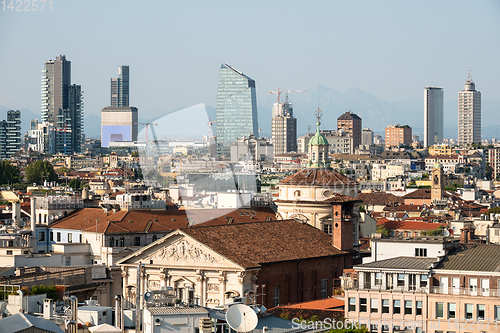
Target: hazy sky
<point>392,49</point>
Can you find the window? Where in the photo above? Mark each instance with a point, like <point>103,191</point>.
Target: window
<point>412,280</point>
<point>439,310</point>
<point>41,236</point>
<point>418,311</point>
<point>480,311</point>
<point>81,238</point>
<point>70,238</point>
<point>111,241</point>
<point>408,307</point>
<point>155,238</point>
<point>137,241</point>
<point>396,308</point>
<point>420,252</point>
<point>352,304</point>
<point>9,252</point>
<point>401,280</point>
<point>423,281</point>
<point>497,313</point>
<point>385,306</point>
<point>452,309</point>
<point>327,228</point>
<point>468,311</point>
<point>374,305</point>
<point>51,236</point>
<point>378,279</point>
<point>68,261</point>
<point>324,288</point>
<point>58,236</point>
<point>122,241</point>
<point>276,296</point>
<point>362,305</point>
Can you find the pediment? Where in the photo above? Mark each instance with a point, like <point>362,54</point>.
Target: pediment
<point>179,250</point>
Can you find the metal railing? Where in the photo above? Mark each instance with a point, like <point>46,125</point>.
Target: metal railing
<point>466,291</point>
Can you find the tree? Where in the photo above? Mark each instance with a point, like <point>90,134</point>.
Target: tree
<point>494,210</point>
<point>383,231</point>
<point>488,171</point>
<point>75,184</point>
<point>9,173</point>
<point>40,171</point>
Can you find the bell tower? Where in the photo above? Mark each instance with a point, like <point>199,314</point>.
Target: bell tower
<point>437,192</point>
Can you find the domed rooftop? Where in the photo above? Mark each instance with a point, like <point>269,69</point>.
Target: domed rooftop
<point>438,165</point>
<point>318,139</point>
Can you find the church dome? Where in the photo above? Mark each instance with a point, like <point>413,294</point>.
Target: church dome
<point>438,165</point>
<point>318,139</point>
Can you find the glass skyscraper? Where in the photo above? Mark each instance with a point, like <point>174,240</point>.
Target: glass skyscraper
<point>120,87</point>
<point>433,116</point>
<point>236,108</point>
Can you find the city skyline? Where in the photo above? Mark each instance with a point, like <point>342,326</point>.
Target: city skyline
<point>394,71</point>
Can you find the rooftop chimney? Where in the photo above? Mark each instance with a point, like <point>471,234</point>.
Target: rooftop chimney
<point>464,235</point>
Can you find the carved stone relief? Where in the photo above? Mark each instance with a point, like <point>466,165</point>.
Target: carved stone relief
<point>182,251</point>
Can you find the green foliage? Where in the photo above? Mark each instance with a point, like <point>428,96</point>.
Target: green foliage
<point>75,184</point>
<point>425,176</point>
<point>135,154</point>
<point>362,208</point>
<point>8,173</point>
<point>51,291</point>
<point>488,171</point>
<point>494,210</point>
<point>63,170</point>
<point>39,171</point>
<point>383,231</point>
<point>451,188</point>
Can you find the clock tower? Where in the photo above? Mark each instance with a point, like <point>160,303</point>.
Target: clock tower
<point>437,192</point>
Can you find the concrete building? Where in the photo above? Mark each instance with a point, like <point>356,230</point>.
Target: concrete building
<point>42,138</point>
<point>433,116</point>
<point>283,129</point>
<point>118,124</point>
<point>351,124</point>
<point>339,142</point>
<point>62,106</point>
<point>469,114</point>
<point>493,158</point>
<point>236,108</point>
<point>396,135</point>
<point>367,137</point>
<point>251,149</point>
<point>10,134</point>
<point>120,88</point>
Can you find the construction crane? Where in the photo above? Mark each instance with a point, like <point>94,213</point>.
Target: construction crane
<point>279,92</point>
<point>210,123</point>
<point>148,124</point>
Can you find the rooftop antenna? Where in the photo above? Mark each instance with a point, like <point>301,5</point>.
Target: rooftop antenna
<point>468,74</point>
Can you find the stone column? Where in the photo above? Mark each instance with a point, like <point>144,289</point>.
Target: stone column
<point>407,282</point>
<point>384,281</point>
<point>361,280</point>
<point>164,277</point>
<point>125,275</point>
<point>222,287</point>
<point>200,286</point>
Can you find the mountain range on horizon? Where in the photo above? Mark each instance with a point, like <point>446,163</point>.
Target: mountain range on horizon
<point>375,112</point>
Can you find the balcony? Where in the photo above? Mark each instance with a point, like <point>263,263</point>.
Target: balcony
<point>349,284</point>
<point>466,291</point>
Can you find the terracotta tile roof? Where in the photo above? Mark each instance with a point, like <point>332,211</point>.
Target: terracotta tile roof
<point>405,208</point>
<point>421,193</point>
<point>137,221</point>
<point>380,199</point>
<point>411,225</point>
<point>318,177</point>
<point>253,244</point>
<point>322,304</point>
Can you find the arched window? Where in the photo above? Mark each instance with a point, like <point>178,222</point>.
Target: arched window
<point>122,241</point>
<point>155,238</point>
<point>111,242</point>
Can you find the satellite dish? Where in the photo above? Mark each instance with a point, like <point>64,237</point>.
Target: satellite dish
<point>446,232</point>
<point>241,318</point>
<point>23,224</point>
<point>148,296</point>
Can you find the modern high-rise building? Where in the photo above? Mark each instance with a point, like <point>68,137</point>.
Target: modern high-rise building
<point>236,108</point>
<point>283,129</point>
<point>433,116</point>
<point>469,114</point>
<point>351,123</point>
<point>120,87</point>
<point>10,134</point>
<point>62,106</point>
<point>367,137</point>
<point>119,122</point>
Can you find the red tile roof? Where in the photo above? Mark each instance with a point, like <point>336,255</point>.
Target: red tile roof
<point>253,244</point>
<point>318,177</point>
<point>411,225</point>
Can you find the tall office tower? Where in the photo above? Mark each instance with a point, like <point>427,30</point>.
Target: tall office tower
<point>236,108</point>
<point>120,87</point>
<point>283,128</point>
<point>350,123</point>
<point>469,114</point>
<point>433,116</point>
<point>62,106</point>
<point>10,134</point>
<point>367,137</point>
<point>118,123</point>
